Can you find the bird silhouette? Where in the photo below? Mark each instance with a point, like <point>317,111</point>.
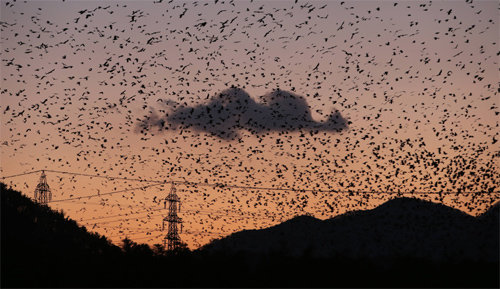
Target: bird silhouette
<point>338,106</point>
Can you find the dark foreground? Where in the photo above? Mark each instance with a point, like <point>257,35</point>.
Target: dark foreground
<point>43,248</point>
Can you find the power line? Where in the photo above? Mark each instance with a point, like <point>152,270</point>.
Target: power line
<point>120,215</point>
<point>154,183</point>
<point>91,203</point>
<point>125,219</point>
<point>22,174</point>
<point>105,177</point>
<point>223,186</point>
<point>196,211</point>
<point>158,230</point>
<point>105,194</point>
<point>210,213</point>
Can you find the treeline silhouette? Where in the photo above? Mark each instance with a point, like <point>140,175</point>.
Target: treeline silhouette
<point>44,248</point>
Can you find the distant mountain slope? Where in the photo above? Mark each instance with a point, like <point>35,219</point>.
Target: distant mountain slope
<point>493,213</point>
<point>399,228</point>
<point>41,247</point>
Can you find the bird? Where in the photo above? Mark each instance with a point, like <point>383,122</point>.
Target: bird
<point>337,106</point>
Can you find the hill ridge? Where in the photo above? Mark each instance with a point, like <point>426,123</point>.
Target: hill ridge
<point>58,260</point>
<point>400,226</point>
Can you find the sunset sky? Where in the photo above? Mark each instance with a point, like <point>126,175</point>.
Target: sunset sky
<point>344,100</point>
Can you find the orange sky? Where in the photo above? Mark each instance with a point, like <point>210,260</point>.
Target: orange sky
<point>417,81</point>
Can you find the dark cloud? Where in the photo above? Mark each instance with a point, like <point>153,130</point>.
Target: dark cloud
<point>233,109</point>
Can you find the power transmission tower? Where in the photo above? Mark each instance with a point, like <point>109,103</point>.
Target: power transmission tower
<point>43,195</point>
<point>172,239</point>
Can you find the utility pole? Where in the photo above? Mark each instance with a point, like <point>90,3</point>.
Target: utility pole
<point>43,195</point>
<point>172,239</point>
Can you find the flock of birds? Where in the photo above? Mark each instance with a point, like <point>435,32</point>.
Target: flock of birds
<point>346,100</point>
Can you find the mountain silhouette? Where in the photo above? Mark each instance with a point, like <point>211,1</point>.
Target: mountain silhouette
<point>402,227</point>
<point>44,248</point>
<point>492,214</point>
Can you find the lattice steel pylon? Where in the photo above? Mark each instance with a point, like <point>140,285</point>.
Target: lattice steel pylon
<point>43,194</point>
<point>172,239</point>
